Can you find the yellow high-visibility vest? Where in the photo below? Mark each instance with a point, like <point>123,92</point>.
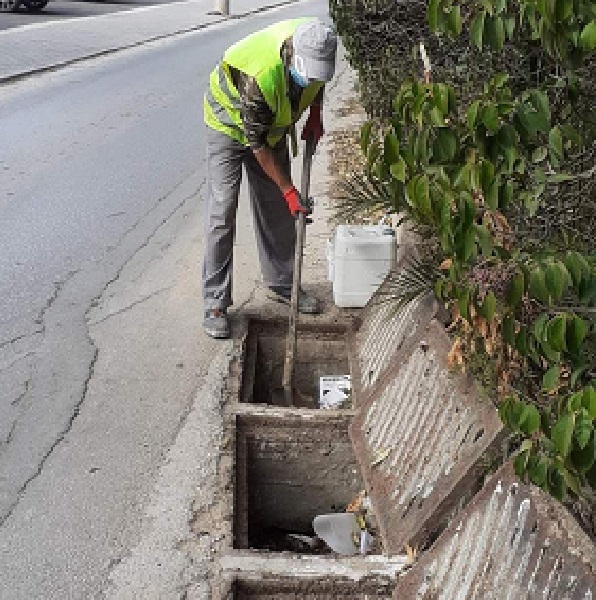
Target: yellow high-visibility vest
<point>258,56</point>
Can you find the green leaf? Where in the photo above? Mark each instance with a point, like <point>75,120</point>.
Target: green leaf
<point>555,333</point>
<point>555,143</point>
<point>462,177</point>
<point>398,170</point>
<point>505,194</point>
<point>521,342</point>
<point>520,463</point>
<point>365,135</point>
<point>564,9</point>
<point>571,480</point>
<point>491,196</point>
<point>499,80</point>
<point>539,327</point>
<point>494,32</point>
<point>509,26</point>
<point>578,267</point>
<point>539,154</point>
<point>489,306</point>
<point>587,39</point>
<point>454,21</point>
<point>516,289</point>
<point>508,329</point>
<point>583,428</point>
<point>463,303</point>
<point>433,15</point>
<point>444,146</point>
<point>436,117</point>
<point>477,30</point>
<point>575,375</point>
<point>577,330</point>
<point>551,355</point>
<point>510,155</point>
<point>556,483</point>
<point>574,402</point>
<point>484,239</point>
<point>472,114</point>
<point>489,116</point>
<point>559,178</point>
<point>562,434</point>
<point>550,379</point>
<point>589,401</point>
<point>517,414</point>
<point>391,149</point>
<point>591,477</point>
<point>537,286</point>
<point>499,5</point>
<point>583,460</point>
<point>555,281</point>
<point>532,420</point>
<point>537,471</point>
<point>504,411</point>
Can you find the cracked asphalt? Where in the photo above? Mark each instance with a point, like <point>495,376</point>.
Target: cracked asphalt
<point>109,392</point>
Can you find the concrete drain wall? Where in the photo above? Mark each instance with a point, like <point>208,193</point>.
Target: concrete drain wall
<point>323,588</point>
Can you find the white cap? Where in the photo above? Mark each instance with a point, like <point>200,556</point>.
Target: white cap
<point>315,46</point>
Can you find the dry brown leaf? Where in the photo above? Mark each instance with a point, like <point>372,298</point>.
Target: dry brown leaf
<point>356,504</point>
<point>411,554</point>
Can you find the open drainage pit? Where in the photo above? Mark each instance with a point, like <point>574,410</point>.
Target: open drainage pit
<point>290,469</point>
<point>321,350</point>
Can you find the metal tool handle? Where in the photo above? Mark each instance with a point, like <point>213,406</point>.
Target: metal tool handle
<point>288,375</point>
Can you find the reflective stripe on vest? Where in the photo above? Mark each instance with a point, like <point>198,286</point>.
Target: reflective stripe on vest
<point>257,56</point>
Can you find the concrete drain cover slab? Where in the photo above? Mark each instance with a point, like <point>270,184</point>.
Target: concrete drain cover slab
<point>420,437</point>
<point>512,541</point>
<point>382,330</point>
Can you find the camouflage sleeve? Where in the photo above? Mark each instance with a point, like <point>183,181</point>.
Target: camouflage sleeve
<point>255,113</point>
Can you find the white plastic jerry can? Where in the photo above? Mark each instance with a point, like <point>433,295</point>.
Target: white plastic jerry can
<point>362,256</point>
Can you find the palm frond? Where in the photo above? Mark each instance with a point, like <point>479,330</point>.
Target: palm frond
<point>413,279</point>
<point>360,195</point>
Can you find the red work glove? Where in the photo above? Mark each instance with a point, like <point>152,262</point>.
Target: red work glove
<point>294,202</point>
<point>314,124</point>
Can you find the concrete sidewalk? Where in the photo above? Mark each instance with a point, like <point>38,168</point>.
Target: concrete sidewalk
<point>44,46</point>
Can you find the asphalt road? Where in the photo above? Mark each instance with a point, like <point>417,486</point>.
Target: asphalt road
<point>101,356</point>
<point>70,9</point>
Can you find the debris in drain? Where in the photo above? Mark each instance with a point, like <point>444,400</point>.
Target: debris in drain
<point>380,456</point>
<point>344,533</point>
<point>279,540</point>
<point>359,503</point>
<point>334,391</point>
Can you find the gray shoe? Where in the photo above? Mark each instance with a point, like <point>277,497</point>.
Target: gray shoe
<point>307,303</point>
<point>216,324</point>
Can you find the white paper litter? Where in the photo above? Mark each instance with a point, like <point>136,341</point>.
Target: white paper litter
<point>334,390</point>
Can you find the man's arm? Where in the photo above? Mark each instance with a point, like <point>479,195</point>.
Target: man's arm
<point>266,159</point>
<point>257,119</point>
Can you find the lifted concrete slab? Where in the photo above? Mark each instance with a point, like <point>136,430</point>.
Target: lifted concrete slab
<point>421,436</point>
<point>512,542</point>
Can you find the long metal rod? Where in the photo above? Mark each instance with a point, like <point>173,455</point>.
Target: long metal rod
<point>288,375</point>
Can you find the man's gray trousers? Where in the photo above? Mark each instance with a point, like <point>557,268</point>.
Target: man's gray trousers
<point>275,227</point>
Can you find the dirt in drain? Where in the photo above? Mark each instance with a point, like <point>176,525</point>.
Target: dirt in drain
<point>278,540</point>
